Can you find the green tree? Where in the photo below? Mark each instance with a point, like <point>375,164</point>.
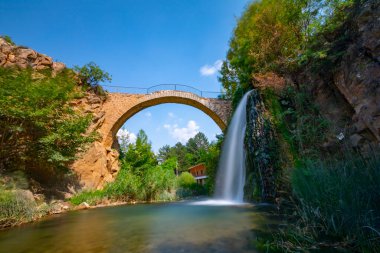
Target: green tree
<point>164,153</point>
<point>92,75</point>
<point>140,155</point>
<point>268,37</point>
<point>179,151</point>
<point>211,160</point>
<point>39,130</point>
<point>196,148</point>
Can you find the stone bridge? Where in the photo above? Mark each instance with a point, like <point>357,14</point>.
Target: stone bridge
<point>99,163</point>
<point>119,107</point>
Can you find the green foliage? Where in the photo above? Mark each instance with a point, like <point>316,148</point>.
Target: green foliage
<point>281,36</point>
<point>194,152</point>
<point>126,187</point>
<point>327,34</point>
<point>8,39</point>
<point>186,180</point>
<point>92,75</point>
<point>297,119</point>
<point>90,197</point>
<point>154,179</point>
<point>140,155</point>
<point>197,150</point>
<point>187,186</point>
<point>39,129</point>
<point>337,205</point>
<point>158,180</point>
<point>15,208</point>
<point>211,159</point>
<point>307,128</point>
<point>268,37</point>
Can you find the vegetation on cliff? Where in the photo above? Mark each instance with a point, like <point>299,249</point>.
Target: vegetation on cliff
<point>40,132</point>
<point>280,36</point>
<point>332,197</point>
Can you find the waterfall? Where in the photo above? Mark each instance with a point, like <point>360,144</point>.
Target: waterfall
<point>231,170</point>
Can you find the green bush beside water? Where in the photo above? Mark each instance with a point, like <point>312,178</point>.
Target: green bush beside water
<point>16,208</point>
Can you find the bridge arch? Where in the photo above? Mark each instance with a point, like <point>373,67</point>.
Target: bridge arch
<point>119,107</point>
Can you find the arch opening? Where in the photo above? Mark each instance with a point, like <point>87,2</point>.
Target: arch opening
<point>217,110</point>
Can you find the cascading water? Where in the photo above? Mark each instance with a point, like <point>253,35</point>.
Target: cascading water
<point>231,170</point>
<point>230,180</point>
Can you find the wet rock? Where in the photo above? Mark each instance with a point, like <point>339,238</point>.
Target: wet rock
<point>261,152</point>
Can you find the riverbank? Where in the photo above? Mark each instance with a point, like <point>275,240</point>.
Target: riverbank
<point>56,207</point>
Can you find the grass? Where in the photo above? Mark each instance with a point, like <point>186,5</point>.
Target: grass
<point>16,208</point>
<point>337,207</point>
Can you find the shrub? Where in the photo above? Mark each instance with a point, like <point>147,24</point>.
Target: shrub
<point>126,187</point>
<point>16,207</point>
<point>8,39</point>
<point>186,180</point>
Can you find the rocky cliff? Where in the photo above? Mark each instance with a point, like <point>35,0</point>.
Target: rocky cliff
<point>348,92</point>
<point>97,164</point>
<point>345,85</point>
<point>23,57</point>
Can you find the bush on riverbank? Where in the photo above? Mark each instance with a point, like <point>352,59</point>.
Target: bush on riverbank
<point>156,185</point>
<point>16,207</point>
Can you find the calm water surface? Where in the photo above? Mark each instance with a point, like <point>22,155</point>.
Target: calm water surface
<point>171,227</point>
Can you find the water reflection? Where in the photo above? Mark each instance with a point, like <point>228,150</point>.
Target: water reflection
<point>175,227</point>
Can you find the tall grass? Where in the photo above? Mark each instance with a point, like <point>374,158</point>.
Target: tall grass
<point>125,188</point>
<point>337,206</point>
<point>156,183</point>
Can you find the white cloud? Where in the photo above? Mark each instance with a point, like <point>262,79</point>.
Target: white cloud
<point>124,133</point>
<point>148,114</point>
<point>208,70</point>
<point>171,115</point>
<point>185,133</point>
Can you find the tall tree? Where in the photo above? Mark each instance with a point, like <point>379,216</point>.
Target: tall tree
<point>140,155</point>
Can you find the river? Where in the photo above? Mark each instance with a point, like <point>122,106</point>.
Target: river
<point>165,227</point>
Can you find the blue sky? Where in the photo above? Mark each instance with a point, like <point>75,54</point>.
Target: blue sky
<point>140,43</point>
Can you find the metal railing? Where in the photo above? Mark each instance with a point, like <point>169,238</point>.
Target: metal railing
<point>161,87</point>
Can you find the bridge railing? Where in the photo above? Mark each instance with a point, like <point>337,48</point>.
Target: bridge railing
<point>161,87</point>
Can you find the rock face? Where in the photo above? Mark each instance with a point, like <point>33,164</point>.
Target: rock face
<point>350,97</point>
<point>97,164</point>
<point>347,94</point>
<point>22,57</point>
